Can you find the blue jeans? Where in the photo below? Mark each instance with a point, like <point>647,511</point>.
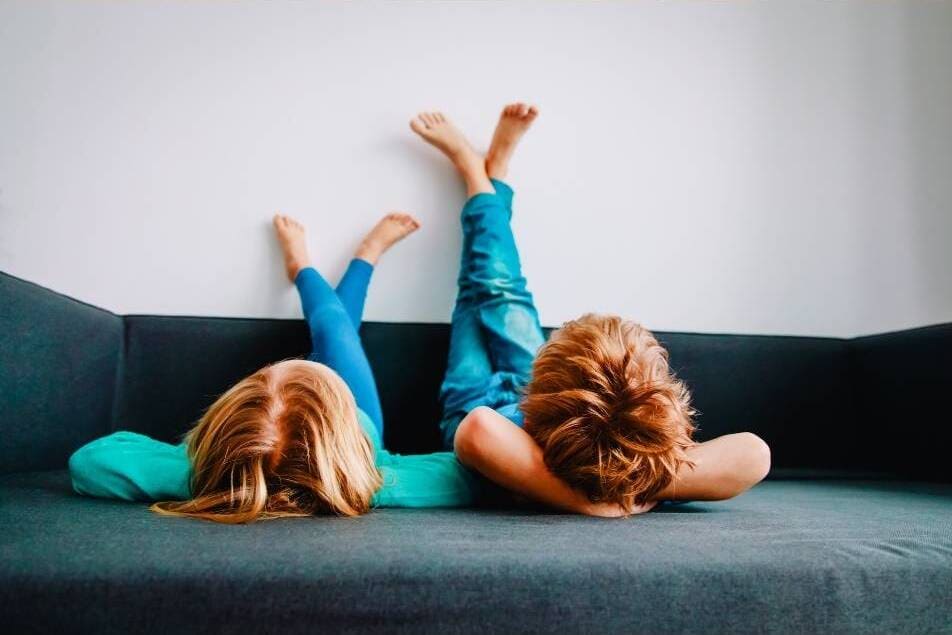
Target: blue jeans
<point>495,330</point>
<point>334,320</point>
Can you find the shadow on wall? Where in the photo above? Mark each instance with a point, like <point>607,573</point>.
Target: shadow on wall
<point>928,43</point>
<point>903,209</point>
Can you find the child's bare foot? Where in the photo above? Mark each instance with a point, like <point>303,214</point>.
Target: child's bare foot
<point>440,132</point>
<point>513,123</point>
<point>389,230</point>
<point>293,244</point>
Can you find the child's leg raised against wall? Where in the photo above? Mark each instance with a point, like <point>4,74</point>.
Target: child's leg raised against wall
<point>333,317</point>
<point>352,288</point>
<point>469,367</point>
<point>495,329</point>
<point>511,319</point>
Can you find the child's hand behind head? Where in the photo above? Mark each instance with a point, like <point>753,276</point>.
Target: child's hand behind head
<point>614,510</point>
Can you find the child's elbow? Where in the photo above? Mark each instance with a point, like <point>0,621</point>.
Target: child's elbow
<point>756,459</point>
<point>82,465</point>
<point>472,436</point>
<point>89,471</point>
<point>745,464</point>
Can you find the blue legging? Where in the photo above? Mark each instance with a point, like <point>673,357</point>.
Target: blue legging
<point>334,319</point>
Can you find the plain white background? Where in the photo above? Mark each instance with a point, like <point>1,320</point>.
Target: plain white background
<point>739,167</point>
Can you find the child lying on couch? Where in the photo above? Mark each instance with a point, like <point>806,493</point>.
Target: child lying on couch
<point>607,426</point>
<point>602,426</point>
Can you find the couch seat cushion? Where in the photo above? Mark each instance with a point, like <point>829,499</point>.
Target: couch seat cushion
<point>804,556</point>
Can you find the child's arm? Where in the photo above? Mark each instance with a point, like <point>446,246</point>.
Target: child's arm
<point>131,466</point>
<point>723,468</point>
<point>505,454</point>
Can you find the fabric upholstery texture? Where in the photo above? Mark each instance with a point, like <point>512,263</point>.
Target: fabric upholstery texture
<point>59,365</point>
<point>807,554</point>
<point>787,557</point>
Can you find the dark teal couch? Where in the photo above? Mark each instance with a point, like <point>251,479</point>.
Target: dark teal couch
<point>852,532</point>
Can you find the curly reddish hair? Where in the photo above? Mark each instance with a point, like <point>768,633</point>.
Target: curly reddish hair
<point>608,412</point>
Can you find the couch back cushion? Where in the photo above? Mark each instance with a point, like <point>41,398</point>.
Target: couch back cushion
<point>175,367</point>
<point>72,372</point>
<point>60,360</point>
<point>793,391</point>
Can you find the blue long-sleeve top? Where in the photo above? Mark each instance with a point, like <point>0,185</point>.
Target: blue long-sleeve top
<point>132,466</point>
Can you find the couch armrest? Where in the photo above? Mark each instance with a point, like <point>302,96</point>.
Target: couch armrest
<point>60,362</point>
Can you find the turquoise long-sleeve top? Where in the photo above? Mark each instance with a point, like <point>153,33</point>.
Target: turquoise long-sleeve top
<point>132,466</point>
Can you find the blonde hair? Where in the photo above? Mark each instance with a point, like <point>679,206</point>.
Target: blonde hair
<point>610,416</point>
<point>284,441</point>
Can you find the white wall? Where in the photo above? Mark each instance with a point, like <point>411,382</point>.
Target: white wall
<point>741,167</point>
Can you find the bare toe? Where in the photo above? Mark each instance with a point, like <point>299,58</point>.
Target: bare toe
<point>418,125</point>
